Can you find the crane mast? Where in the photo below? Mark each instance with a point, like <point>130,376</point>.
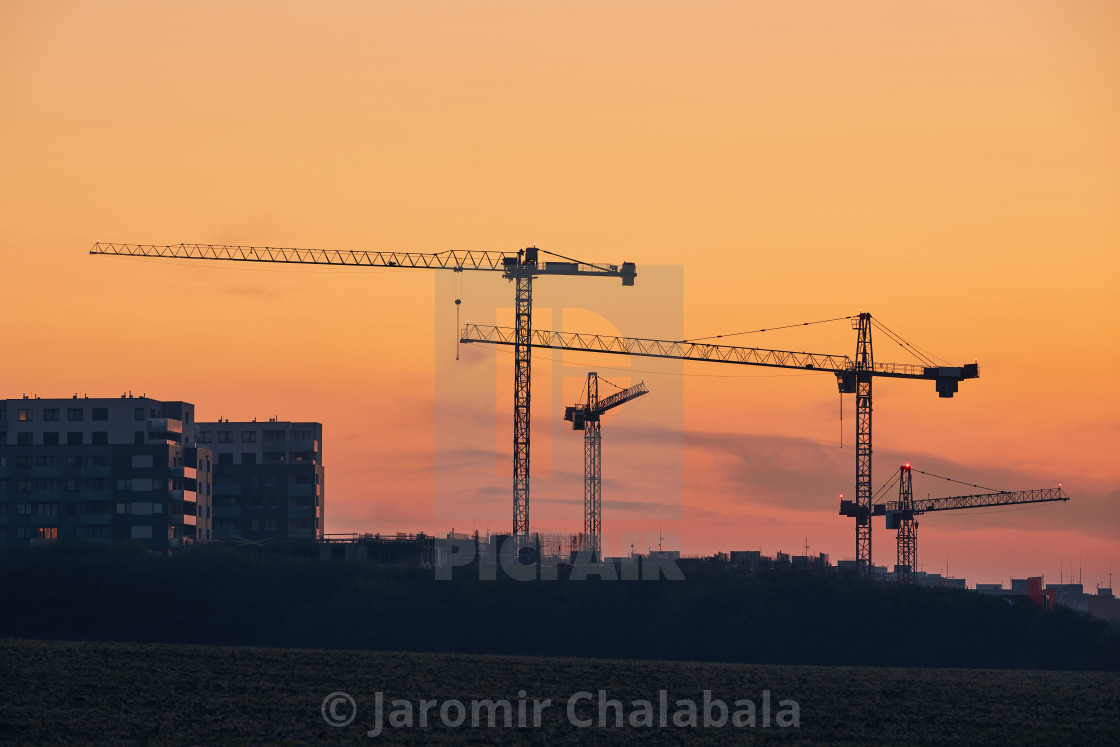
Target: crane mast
<point>520,268</point>
<point>588,418</point>
<point>853,376</point>
<point>900,514</point>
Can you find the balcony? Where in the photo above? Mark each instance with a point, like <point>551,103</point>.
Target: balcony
<point>227,512</point>
<point>182,520</point>
<point>301,512</point>
<point>96,495</point>
<point>165,429</point>
<point>301,491</point>
<point>227,490</point>
<point>295,445</point>
<point>303,446</point>
<point>97,471</point>
<point>96,519</point>
<point>46,471</point>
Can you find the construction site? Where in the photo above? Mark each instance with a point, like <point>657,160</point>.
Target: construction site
<point>853,374</point>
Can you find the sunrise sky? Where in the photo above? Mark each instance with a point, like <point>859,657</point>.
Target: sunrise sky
<point>951,167</point>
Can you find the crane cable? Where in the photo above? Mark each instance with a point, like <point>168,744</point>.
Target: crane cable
<point>969,484</point>
<point>767,329</point>
<point>888,484</point>
<point>923,355</point>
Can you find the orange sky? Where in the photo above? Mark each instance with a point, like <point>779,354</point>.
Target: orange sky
<point>951,167</point>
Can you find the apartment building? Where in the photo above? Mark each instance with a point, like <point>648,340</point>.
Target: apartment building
<point>103,470</point>
<point>269,481</point>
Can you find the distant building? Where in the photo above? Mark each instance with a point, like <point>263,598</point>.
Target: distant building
<point>102,470</point>
<point>269,481</point>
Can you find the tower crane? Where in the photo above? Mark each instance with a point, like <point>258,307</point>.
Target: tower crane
<point>853,376</point>
<point>900,514</point>
<point>520,268</point>
<point>588,418</point>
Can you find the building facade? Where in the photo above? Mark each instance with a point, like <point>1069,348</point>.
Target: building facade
<point>269,481</point>
<point>103,470</point>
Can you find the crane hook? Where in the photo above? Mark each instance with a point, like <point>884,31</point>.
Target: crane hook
<point>458,301</point>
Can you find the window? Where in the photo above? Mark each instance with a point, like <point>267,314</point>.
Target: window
<point>97,460</point>
<point>138,438</point>
<point>138,414</point>
<point>301,435</point>
<point>206,437</point>
<point>49,533</point>
<point>46,461</point>
<point>23,439</point>
<point>23,532</point>
<point>71,485</point>
<point>50,438</point>
<point>25,416</point>
<point>22,462</point>
<point>73,462</point>
<point>75,413</point>
<point>46,509</point>
<point>74,438</point>
<point>51,414</point>
<point>248,437</point>
<point>225,437</point>
<point>274,435</point>
<point>46,484</point>
<point>101,413</point>
<point>23,509</point>
<point>100,438</point>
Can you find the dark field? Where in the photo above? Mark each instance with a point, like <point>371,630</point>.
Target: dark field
<point>58,692</point>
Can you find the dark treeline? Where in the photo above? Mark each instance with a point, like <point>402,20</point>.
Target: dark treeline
<point>224,596</point>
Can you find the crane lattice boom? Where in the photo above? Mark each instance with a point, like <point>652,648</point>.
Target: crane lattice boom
<point>696,351</point>
<point>982,500</point>
<point>450,260</point>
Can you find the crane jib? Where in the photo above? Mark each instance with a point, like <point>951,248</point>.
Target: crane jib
<point>515,264</point>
